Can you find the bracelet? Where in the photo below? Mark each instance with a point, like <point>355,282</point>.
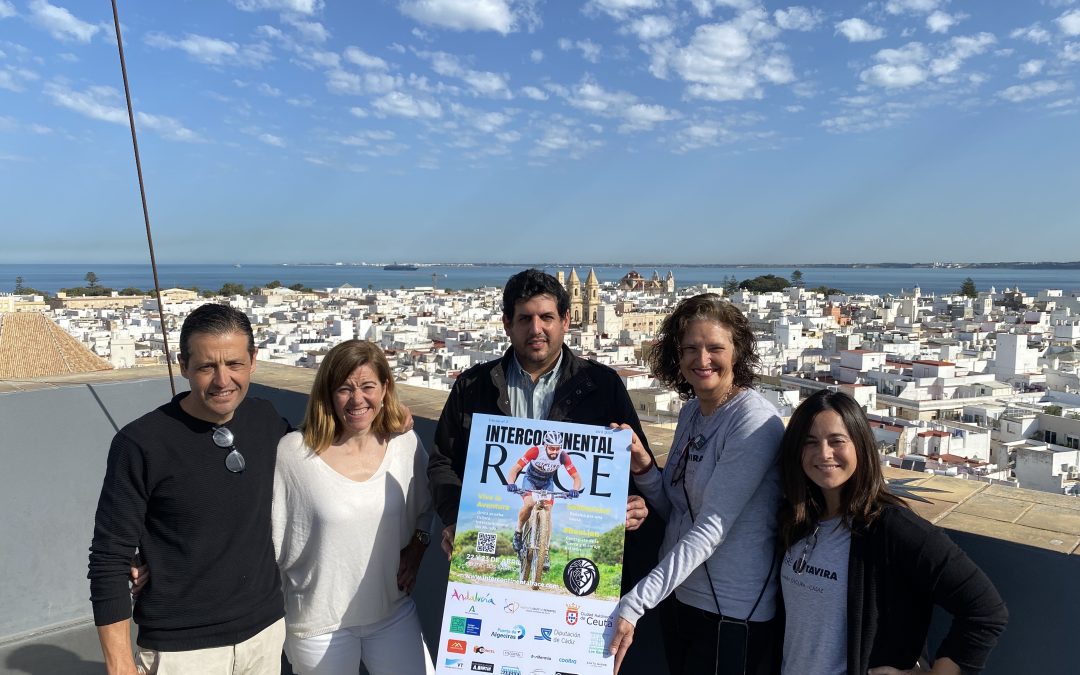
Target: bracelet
<point>652,464</point>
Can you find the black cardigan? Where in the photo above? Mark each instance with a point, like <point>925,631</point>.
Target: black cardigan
<point>898,569</point>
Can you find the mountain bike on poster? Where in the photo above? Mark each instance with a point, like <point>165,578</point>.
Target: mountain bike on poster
<point>540,469</point>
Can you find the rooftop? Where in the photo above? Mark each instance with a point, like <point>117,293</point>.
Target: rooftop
<point>32,345</point>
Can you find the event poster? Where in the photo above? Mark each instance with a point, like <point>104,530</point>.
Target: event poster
<point>543,601</point>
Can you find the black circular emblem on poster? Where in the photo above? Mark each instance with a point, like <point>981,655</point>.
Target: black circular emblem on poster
<point>581,576</point>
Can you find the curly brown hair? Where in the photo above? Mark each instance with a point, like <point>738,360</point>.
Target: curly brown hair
<point>663,359</point>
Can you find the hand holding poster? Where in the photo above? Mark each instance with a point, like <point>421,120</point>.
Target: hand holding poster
<point>537,565</point>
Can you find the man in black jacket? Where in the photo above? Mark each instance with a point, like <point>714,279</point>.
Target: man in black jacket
<point>538,378</point>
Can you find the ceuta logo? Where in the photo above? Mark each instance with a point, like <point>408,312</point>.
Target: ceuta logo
<point>572,613</point>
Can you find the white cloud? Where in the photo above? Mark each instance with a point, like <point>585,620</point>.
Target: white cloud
<point>1069,22</point>
<point>213,51</point>
<point>480,82</point>
<point>480,15</point>
<point>798,18</point>
<point>1033,33</point>
<point>958,50</point>
<point>865,115</point>
<point>729,61</point>
<point>590,51</point>
<point>635,116</point>
<point>911,6</point>
<point>312,31</point>
<point>1031,68</point>
<point>650,27</point>
<point>400,104</point>
<point>7,9</point>
<point>560,135</point>
<point>13,78</point>
<point>266,90</point>
<point>620,9</point>
<point>898,68</point>
<point>1071,52</point>
<point>702,134</point>
<point>271,139</point>
<point>940,22</point>
<point>1024,92</point>
<point>705,7</point>
<point>534,93</point>
<point>643,116</point>
<point>297,6</point>
<point>359,57</point>
<point>60,23</point>
<point>102,103</point>
<point>339,81</point>
<point>857,30</point>
<point>536,56</point>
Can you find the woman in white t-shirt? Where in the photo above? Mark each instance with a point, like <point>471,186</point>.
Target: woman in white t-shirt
<point>861,572</point>
<point>351,517</point>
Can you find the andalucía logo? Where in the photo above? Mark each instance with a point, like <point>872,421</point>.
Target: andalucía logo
<point>473,597</point>
<point>572,613</point>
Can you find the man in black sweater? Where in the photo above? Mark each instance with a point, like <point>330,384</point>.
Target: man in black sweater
<point>189,485</point>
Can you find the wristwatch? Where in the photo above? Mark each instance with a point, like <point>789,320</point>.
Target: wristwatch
<point>422,537</point>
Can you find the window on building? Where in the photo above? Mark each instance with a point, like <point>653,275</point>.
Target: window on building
<point>1050,436</point>
<point>1072,441</point>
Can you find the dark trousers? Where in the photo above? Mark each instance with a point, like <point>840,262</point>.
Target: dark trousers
<point>699,642</point>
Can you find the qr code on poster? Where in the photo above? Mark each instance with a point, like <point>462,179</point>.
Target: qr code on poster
<point>485,542</point>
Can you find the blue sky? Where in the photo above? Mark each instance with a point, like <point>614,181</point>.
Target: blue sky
<point>696,131</point>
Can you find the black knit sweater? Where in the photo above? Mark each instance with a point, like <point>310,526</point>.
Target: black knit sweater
<point>203,530</point>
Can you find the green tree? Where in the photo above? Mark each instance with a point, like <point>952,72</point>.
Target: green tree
<point>91,280</point>
<point>967,288</point>
<point>131,290</point>
<point>19,286</point>
<point>230,288</point>
<point>796,279</point>
<point>766,283</point>
<point>1052,410</point>
<point>731,285</point>
<point>274,284</point>
<point>827,290</point>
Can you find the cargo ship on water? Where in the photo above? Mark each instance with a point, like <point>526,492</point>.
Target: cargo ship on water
<point>396,267</point>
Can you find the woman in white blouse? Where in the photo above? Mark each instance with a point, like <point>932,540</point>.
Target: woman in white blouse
<point>351,517</point>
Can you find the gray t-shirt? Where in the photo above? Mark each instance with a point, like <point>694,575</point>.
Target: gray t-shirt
<point>813,578</point>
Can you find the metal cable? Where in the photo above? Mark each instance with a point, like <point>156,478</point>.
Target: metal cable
<point>142,195</point>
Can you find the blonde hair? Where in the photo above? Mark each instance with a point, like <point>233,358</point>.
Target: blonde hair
<point>321,426</point>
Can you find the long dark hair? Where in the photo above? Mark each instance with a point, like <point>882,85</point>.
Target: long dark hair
<point>862,497</point>
<point>663,359</point>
